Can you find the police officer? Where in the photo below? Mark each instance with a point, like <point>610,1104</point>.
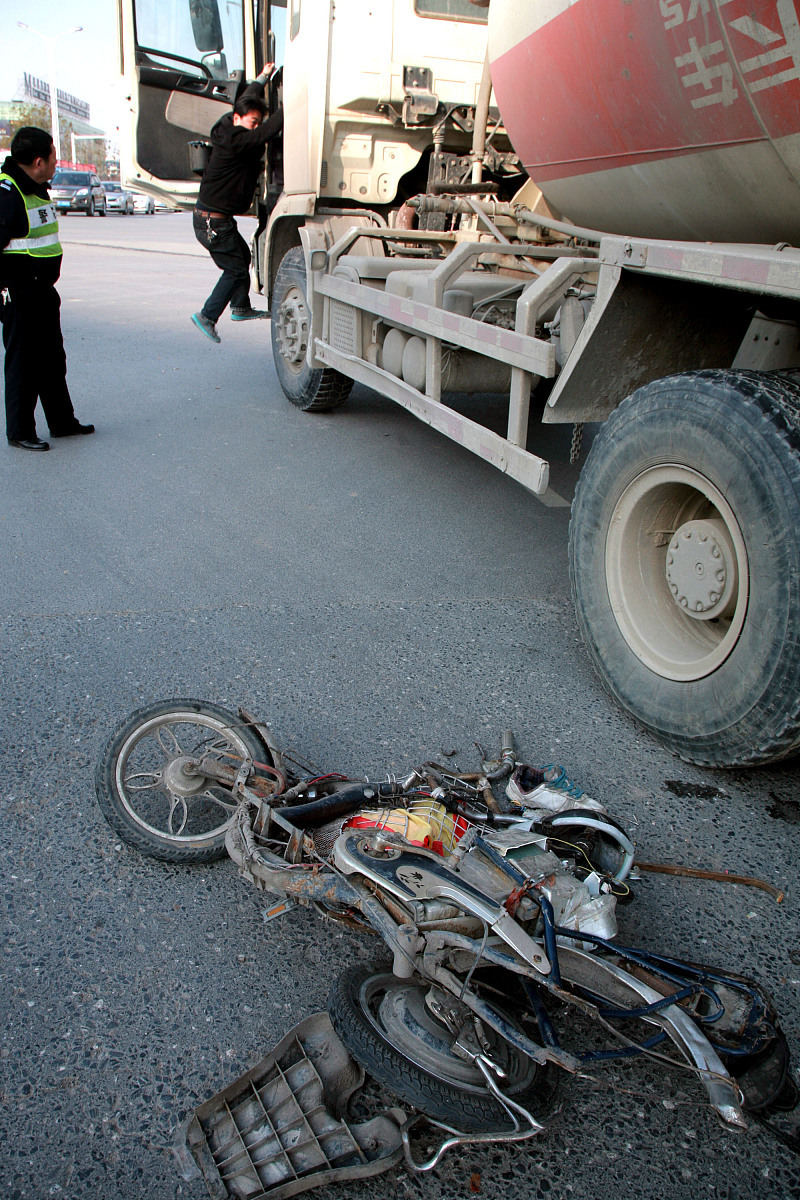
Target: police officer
<point>30,264</point>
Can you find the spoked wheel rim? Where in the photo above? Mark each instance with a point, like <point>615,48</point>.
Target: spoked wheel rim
<point>677,572</point>
<point>158,787</point>
<point>291,325</point>
<point>421,1024</point>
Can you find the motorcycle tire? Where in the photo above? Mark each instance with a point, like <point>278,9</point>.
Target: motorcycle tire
<point>144,793</point>
<point>421,1070</point>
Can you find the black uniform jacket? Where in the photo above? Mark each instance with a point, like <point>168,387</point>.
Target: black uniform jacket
<point>14,224</point>
<point>229,180</point>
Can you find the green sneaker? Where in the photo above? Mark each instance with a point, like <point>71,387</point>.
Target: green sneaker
<point>249,314</point>
<point>207,327</point>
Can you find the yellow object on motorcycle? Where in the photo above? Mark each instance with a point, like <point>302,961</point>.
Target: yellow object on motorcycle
<point>424,823</point>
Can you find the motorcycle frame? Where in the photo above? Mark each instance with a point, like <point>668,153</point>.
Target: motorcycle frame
<point>431,953</point>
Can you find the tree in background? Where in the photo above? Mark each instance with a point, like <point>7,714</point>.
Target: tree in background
<point>89,151</point>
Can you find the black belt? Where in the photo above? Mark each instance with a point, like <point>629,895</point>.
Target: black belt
<point>201,212</point>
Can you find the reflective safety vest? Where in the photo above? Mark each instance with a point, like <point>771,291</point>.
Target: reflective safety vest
<point>42,237</point>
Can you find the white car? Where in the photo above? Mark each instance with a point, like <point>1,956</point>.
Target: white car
<point>143,203</point>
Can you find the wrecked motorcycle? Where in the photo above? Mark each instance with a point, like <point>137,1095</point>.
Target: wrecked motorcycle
<point>498,910</point>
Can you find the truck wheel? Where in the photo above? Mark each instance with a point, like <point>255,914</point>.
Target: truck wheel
<point>685,563</point>
<point>313,390</point>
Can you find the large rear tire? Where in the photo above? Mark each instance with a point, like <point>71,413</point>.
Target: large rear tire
<point>387,1027</point>
<point>685,563</point>
<point>312,389</point>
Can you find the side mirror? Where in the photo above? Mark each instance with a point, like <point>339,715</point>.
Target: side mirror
<point>206,26</point>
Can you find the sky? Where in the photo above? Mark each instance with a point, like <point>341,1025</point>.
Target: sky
<point>86,63</point>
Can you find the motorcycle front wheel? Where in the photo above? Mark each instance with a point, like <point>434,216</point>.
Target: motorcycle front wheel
<point>149,790</point>
<point>394,1035</point>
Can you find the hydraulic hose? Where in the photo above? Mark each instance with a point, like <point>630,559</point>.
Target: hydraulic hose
<point>550,223</point>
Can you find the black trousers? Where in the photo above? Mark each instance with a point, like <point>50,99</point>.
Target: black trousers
<point>230,252</point>
<point>35,365</point>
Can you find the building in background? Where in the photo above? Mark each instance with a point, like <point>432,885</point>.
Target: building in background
<point>31,106</point>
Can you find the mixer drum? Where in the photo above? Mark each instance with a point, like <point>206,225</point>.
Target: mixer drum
<point>657,118</point>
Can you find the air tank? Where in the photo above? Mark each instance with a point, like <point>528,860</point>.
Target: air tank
<point>658,118</point>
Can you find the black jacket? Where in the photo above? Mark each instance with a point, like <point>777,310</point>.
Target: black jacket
<point>229,180</point>
<point>14,224</point>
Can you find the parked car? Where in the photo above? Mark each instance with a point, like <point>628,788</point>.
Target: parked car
<point>118,198</point>
<point>78,191</point>
<point>143,203</point>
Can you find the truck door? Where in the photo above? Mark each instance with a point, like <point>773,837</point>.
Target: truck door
<point>183,62</point>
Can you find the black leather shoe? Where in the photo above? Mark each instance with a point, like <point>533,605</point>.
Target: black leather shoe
<point>29,443</point>
<point>72,430</point>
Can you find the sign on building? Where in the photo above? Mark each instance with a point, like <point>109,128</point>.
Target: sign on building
<point>39,90</point>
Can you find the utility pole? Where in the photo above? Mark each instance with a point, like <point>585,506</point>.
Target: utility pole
<point>51,39</point>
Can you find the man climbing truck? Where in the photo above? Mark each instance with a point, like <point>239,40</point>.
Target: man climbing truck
<point>585,202</point>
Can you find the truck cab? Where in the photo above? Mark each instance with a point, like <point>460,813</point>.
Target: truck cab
<point>370,93</point>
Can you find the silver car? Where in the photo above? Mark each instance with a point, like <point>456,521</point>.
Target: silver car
<point>118,199</point>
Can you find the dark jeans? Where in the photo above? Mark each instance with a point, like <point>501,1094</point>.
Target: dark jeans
<point>36,365</point>
<point>230,252</point>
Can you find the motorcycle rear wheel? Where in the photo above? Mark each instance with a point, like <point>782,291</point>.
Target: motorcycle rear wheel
<point>387,1027</point>
<point>147,797</point>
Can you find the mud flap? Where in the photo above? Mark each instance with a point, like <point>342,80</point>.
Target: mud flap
<point>280,1128</point>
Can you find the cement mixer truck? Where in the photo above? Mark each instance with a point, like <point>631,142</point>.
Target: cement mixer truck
<point>587,207</point>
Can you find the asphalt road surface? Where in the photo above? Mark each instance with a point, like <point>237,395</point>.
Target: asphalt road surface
<point>382,597</point>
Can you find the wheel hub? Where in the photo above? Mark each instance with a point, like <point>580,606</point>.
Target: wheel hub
<point>675,562</point>
<point>422,1036</point>
<point>292,327</point>
<point>701,569</point>
<point>182,778</point>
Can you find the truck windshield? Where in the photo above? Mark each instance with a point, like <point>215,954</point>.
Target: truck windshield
<point>195,31</point>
